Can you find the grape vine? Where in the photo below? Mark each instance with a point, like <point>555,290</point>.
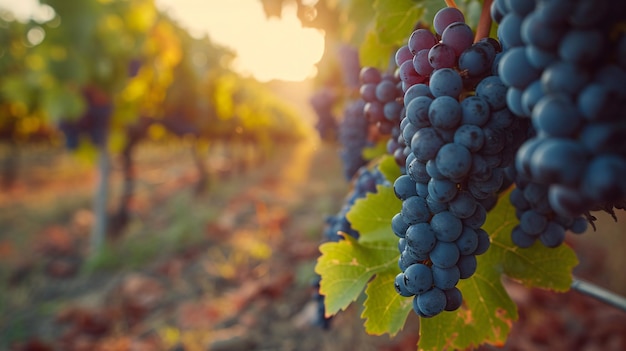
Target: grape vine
<point>500,146</point>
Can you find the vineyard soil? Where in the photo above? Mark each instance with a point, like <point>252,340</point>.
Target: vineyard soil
<point>229,269</point>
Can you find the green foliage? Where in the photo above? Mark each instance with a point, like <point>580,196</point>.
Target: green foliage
<point>385,310</point>
<point>388,167</point>
<point>375,151</point>
<point>393,22</point>
<point>349,266</point>
<point>372,214</point>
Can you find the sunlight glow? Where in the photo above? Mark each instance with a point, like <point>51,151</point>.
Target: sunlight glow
<point>267,49</point>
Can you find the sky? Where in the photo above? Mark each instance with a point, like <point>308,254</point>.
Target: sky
<point>266,49</point>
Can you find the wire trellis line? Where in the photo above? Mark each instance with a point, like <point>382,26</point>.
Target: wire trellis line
<point>599,293</point>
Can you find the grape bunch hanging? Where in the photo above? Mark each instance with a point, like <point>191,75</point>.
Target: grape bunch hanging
<point>540,108</point>
<point>460,139</point>
<point>564,64</point>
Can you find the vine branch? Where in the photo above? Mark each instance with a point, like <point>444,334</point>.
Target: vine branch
<point>599,293</point>
<point>484,24</point>
<point>450,3</point>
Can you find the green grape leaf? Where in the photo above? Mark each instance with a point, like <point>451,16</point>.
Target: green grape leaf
<point>392,27</point>
<point>371,215</point>
<point>385,310</point>
<point>393,23</point>
<point>373,255</point>
<point>389,168</point>
<point>488,312</point>
<point>374,151</point>
<point>346,266</point>
<point>372,53</point>
<point>395,20</point>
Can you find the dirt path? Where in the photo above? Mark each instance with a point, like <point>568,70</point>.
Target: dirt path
<point>247,286</point>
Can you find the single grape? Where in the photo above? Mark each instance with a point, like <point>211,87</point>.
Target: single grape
<point>444,112</point>
<point>386,91</point>
<point>426,143</point>
<point>432,302</point>
<point>533,223</point>
<point>467,242</point>
<point>521,239</point>
<point>483,241</point>
<point>445,278</point>
<point>475,110</point>
<point>421,39</point>
<point>459,36</point>
<point>415,91</point>
<point>421,64</point>
<point>553,235</point>
<point>447,227</point>
<point>470,136</point>
<point>442,190</point>
<point>401,287</point>
<point>454,160</point>
<point>417,171</point>
<point>493,90</point>
<point>417,111</point>
<point>399,225</point>
<point>454,299</point>
<point>467,265</point>
<point>421,238</point>
<point>515,70</point>
<point>441,56</point>
<point>446,82</point>
<point>415,210</point>
<point>404,187</point>
<point>444,254</point>
<point>477,59</point>
<point>509,30</point>
<point>418,278</point>
<point>403,54</point>
<point>445,17</point>
<point>370,75</point>
<point>463,205</point>
<point>476,220</point>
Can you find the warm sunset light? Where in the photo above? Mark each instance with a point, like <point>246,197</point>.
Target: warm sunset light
<point>266,49</point>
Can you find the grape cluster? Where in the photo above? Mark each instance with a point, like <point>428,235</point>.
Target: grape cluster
<point>323,102</point>
<point>372,117</point>
<point>353,136</point>
<point>564,63</point>
<point>462,140</point>
<point>384,109</point>
<point>382,96</point>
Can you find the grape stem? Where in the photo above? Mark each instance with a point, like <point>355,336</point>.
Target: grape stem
<point>599,293</point>
<point>484,24</point>
<point>450,3</point>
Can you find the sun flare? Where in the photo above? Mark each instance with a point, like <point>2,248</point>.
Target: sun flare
<point>266,48</point>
